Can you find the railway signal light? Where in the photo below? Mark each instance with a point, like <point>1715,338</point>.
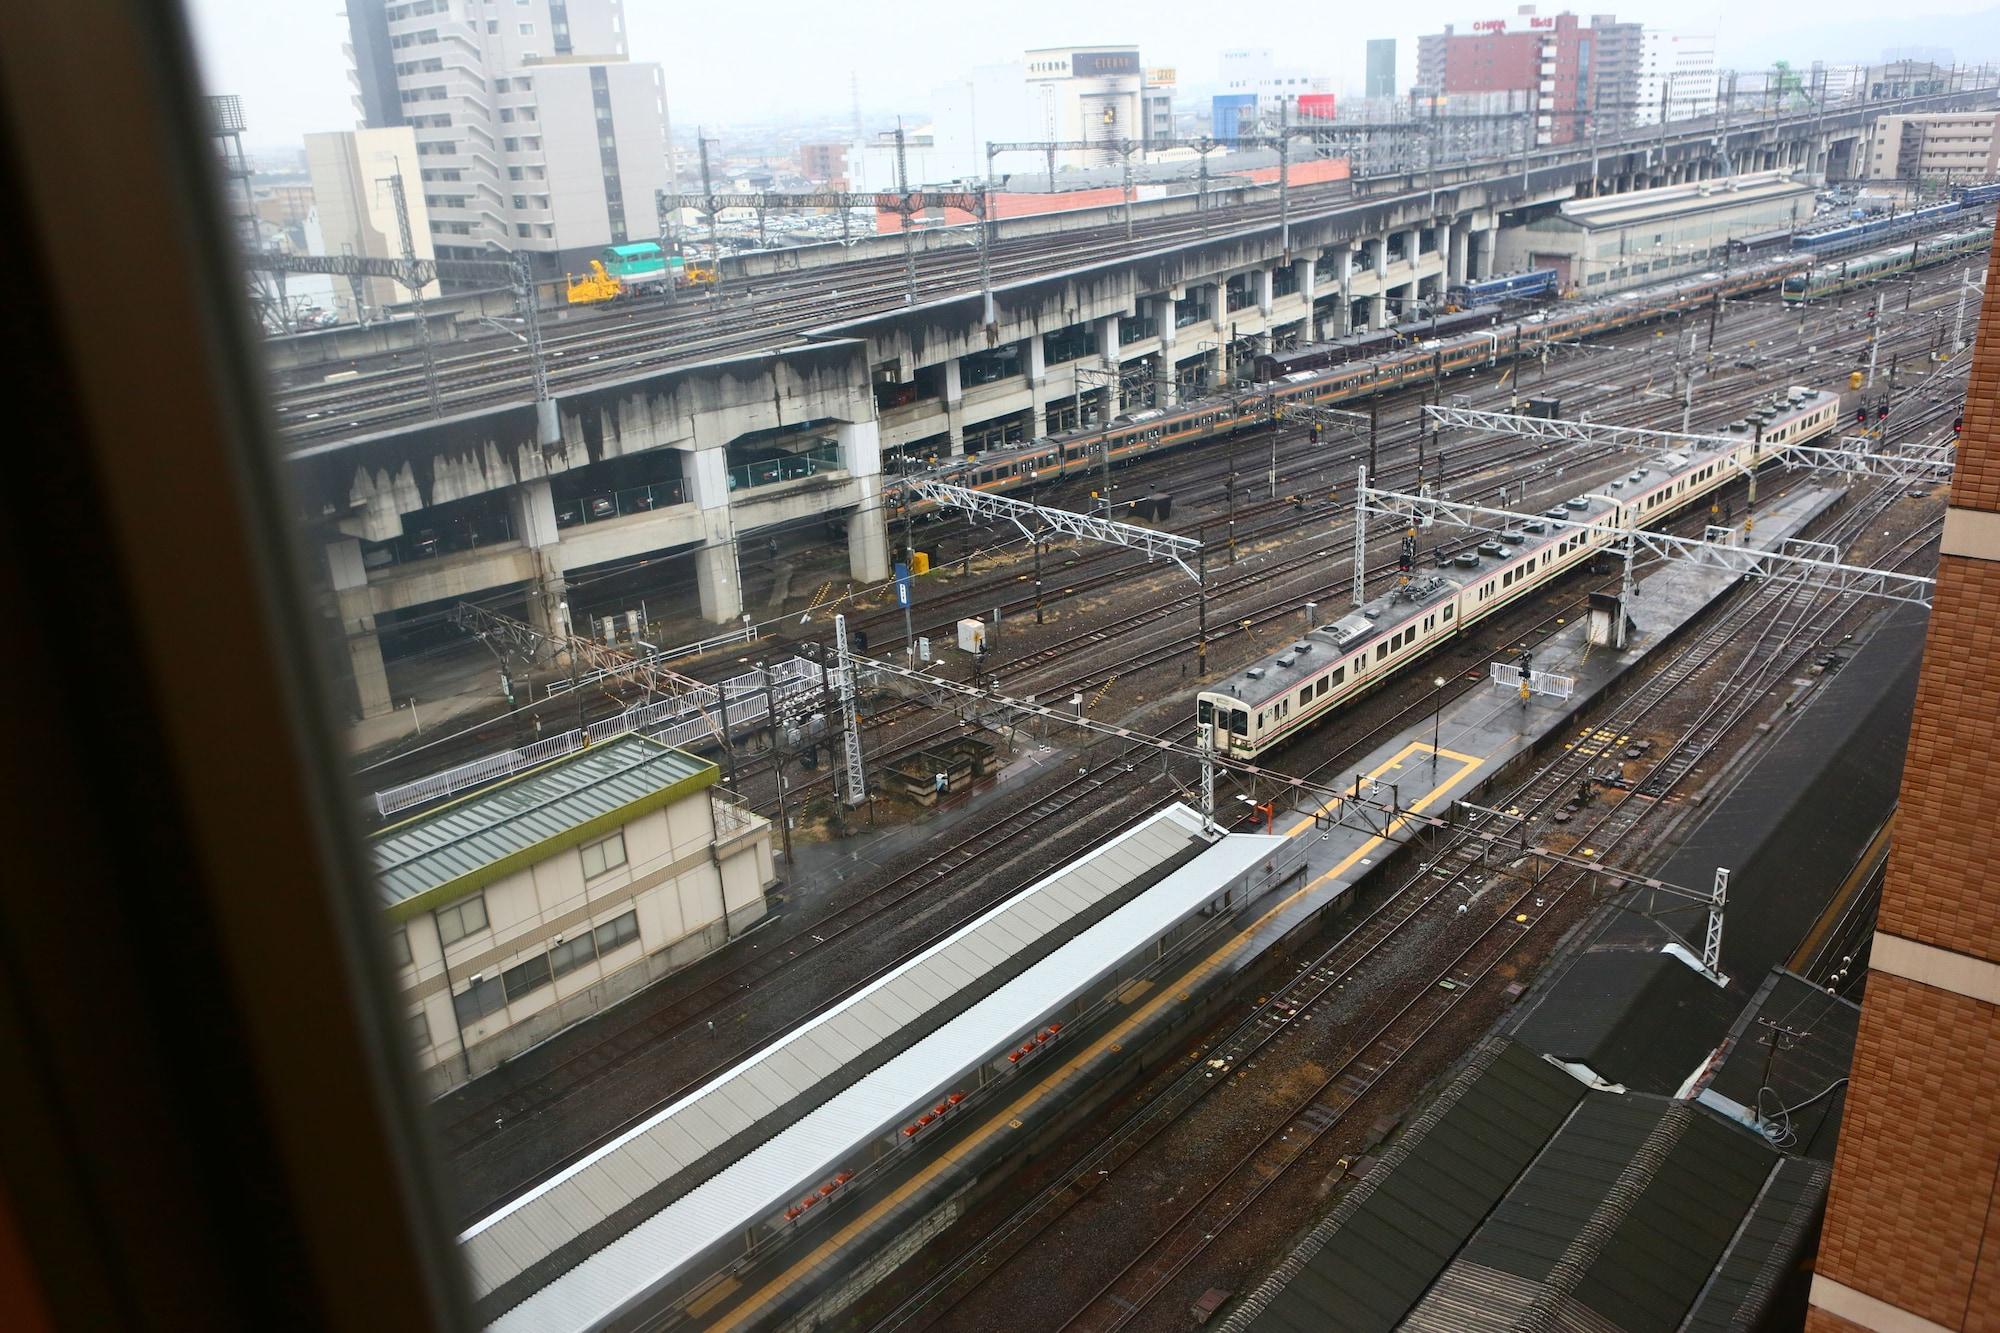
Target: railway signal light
<point>1957,426</point>
<point>1860,416</point>
<point>1881,414</point>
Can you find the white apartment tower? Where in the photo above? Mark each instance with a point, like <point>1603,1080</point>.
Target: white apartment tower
<point>534,130</point>
<point>1676,74</point>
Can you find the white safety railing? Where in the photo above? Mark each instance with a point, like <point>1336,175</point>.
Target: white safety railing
<point>685,719</point>
<point>658,658</point>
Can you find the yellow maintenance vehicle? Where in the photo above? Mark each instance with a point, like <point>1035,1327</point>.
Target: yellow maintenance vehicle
<point>595,287</point>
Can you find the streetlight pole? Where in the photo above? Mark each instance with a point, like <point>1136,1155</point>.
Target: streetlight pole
<point>1437,719</point>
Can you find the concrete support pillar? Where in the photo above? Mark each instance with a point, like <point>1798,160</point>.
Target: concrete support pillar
<point>1308,289</point>
<point>1379,253</point>
<point>1489,250</point>
<point>717,568</point>
<point>357,623</point>
<point>868,526</point>
<point>1378,309</point>
<point>1263,278</point>
<point>1413,245</point>
<point>533,510</point>
<point>954,408</point>
<point>1033,363</point>
<point>1459,239</point>
<point>1107,358</point>
<point>1342,321</point>
<point>1163,315</point>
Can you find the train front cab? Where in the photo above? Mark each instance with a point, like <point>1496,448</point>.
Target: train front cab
<point>1231,720</point>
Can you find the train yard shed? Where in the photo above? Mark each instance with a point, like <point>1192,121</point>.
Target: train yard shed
<point>1602,245</point>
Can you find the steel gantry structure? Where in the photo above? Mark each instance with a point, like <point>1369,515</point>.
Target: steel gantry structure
<point>1852,457</point>
<point>1167,545</point>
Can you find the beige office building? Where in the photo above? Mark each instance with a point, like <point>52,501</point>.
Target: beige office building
<point>351,172</point>
<point>533,904</point>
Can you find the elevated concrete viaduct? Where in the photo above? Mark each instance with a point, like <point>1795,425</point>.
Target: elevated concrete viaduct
<point>684,462</point>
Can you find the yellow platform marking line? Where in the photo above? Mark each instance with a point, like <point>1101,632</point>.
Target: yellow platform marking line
<point>1172,994</point>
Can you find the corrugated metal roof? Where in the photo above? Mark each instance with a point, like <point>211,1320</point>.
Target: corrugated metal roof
<point>1766,1249</point>
<point>516,818</point>
<point>1665,203</point>
<point>1389,1240</point>
<point>1624,1216</point>
<point>737,1107</point>
<point>1643,1019</point>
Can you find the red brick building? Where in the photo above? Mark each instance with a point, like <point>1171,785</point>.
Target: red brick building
<point>1912,1238</point>
<point>1567,67</point>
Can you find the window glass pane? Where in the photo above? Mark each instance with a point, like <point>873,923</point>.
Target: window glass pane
<point>399,947</point>
<point>574,953</point>
<point>617,932</point>
<point>526,976</point>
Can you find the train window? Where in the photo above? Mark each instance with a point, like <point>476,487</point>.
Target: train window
<point>1306,694</point>
<point>1447,613</point>
<point>1381,651</point>
<point>1260,719</point>
<point>1507,579</point>
<point>1324,682</point>
<point>1204,711</point>
<point>1338,673</point>
<point>1239,721</point>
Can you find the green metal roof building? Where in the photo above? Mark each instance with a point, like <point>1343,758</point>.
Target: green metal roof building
<point>521,909</point>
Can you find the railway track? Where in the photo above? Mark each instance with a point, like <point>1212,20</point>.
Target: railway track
<point>1765,646</point>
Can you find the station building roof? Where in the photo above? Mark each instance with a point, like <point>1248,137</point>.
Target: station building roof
<point>1518,1196</point>
<point>1640,1018</point>
<point>716,1163</point>
<point>446,854</point>
<point>1669,202</point>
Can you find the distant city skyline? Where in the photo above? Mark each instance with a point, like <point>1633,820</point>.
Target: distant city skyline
<point>796,66</point>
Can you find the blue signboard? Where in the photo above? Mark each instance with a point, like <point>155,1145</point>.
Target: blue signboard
<point>902,585</point>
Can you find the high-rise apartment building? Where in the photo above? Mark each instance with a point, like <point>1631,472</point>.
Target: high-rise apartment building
<point>1945,146</point>
<point>1676,76</point>
<point>1573,72</point>
<point>1381,80</point>
<point>534,129</point>
<point>1912,1234</point>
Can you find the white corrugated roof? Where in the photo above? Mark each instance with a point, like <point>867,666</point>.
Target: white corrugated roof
<point>814,1147</point>
<point>553,1214</point>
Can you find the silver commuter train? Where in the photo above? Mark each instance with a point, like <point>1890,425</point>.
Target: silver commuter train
<point>1272,700</point>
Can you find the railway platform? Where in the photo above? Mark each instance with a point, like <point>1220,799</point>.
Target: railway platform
<point>1481,734</point>
<point>841,1104</point>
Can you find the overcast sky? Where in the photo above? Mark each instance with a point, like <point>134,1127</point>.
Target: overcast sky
<point>786,58</point>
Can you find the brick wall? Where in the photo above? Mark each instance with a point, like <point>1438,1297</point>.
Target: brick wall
<point>1914,1175</point>
<point>1915,1199</point>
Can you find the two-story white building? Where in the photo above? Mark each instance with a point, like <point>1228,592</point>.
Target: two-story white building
<point>533,904</point>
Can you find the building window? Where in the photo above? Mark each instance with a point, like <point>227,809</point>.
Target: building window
<point>617,933</point>
<point>399,947</point>
<point>461,919</point>
<point>599,857</point>
<point>527,30</point>
<point>520,201</point>
<point>513,173</point>
<point>526,977</point>
<point>568,956</point>
<point>420,1030</point>
<point>484,996</point>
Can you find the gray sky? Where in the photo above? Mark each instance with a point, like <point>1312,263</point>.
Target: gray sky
<point>788,58</point>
